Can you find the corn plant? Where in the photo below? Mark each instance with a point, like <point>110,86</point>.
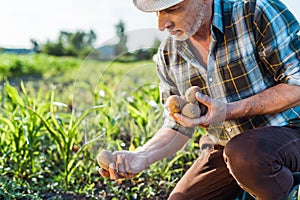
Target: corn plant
<point>141,119</point>
<point>21,132</point>
<point>146,113</point>
<point>44,143</point>
<point>65,132</point>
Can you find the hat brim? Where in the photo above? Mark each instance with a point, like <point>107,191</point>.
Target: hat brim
<point>154,5</point>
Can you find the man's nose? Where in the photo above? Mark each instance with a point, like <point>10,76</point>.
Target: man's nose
<point>163,21</point>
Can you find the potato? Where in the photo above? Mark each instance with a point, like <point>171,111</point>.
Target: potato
<point>190,94</point>
<point>191,110</point>
<point>191,98</point>
<point>177,104</point>
<point>184,101</point>
<point>174,104</point>
<point>104,159</point>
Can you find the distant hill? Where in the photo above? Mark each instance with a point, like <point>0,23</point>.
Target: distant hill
<point>16,51</point>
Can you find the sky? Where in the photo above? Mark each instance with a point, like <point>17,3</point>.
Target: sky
<point>42,20</point>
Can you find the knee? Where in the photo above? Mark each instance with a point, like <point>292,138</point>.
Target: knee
<point>243,154</point>
<point>254,162</point>
<point>176,196</point>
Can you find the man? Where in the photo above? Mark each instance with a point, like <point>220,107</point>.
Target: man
<point>244,55</point>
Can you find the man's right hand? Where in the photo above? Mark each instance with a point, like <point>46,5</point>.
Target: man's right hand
<point>127,165</point>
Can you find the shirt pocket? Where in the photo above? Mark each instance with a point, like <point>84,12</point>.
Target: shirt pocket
<point>242,77</point>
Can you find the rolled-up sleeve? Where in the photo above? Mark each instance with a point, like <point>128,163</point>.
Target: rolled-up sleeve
<point>167,87</point>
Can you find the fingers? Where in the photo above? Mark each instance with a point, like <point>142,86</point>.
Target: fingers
<point>127,166</point>
<point>188,122</point>
<point>124,169</point>
<point>121,166</point>
<point>104,173</point>
<point>117,170</point>
<point>202,121</point>
<point>204,99</point>
<point>113,172</point>
<point>130,175</point>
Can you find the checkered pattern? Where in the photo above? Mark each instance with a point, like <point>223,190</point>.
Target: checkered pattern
<point>254,46</point>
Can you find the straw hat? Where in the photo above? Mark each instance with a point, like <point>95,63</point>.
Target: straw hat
<point>154,5</point>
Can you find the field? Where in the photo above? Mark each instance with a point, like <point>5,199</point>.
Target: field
<point>58,113</point>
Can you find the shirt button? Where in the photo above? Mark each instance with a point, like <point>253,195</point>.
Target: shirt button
<point>228,130</point>
<point>210,79</point>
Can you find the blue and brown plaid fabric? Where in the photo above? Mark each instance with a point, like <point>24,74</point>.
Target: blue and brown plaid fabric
<point>254,46</point>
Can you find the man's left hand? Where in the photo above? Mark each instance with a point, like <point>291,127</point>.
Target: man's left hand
<point>216,113</point>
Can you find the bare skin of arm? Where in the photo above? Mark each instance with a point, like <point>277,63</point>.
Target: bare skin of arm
<point>273,100</point>
<point>128,164</point>
<point>270,101</point>
<point>167,142</point>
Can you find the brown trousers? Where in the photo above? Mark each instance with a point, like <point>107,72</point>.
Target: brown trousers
<point>261,161</point>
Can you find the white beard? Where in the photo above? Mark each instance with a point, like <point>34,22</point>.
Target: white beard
<point>196,25</point>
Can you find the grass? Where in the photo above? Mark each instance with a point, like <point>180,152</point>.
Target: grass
<point>54,125</point>
<point>57,113</point>
<point>37,65</point>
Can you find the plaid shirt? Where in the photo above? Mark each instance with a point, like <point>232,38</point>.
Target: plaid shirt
<point>254,46</point>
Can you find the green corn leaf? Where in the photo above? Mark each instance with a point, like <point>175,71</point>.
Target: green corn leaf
<point>52,132</point>
<point>56,123</point>
<point>72,131</point>
<point>24,91</point>
<point>99,137</point>
<point>83,116</point>
<point>72,168</point>
<point>75,156</point>
<point>8,123</point>
<point>14,95</point>
<point>170,163</point>
<point>132,147</point>
<point>54,120</point>
<point>135,112</point>
<point>23,88</point>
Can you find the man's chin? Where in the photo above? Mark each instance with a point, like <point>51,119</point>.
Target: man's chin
<point>182,37</point>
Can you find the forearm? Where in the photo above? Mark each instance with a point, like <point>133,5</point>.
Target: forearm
<point>273,100</point>
<point>165,143</point>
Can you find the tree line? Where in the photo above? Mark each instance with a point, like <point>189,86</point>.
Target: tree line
<point>81,43</point>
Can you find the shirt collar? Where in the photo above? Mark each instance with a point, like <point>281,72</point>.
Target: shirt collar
<point>182,46</point>
<point>218,13</point>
